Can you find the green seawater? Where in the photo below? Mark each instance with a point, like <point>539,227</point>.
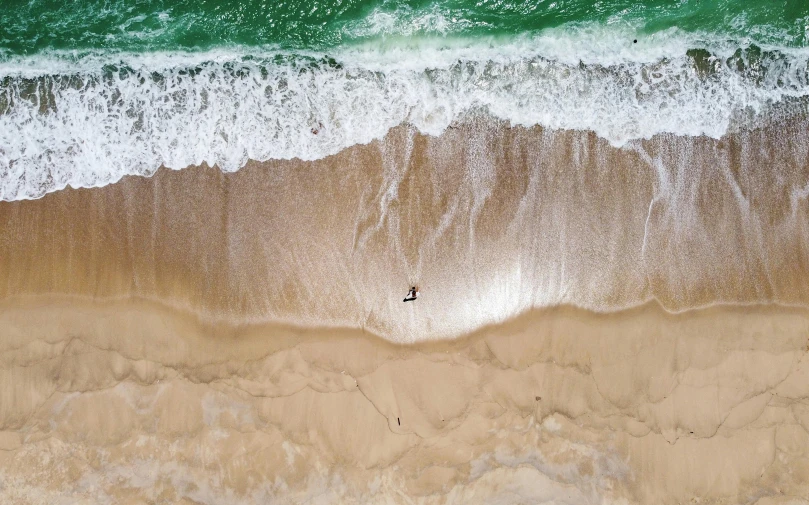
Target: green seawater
<point>31,26</point>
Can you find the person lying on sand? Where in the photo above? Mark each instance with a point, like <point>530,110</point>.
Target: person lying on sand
<point>412,294</point>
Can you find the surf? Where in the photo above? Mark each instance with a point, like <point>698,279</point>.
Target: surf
<point>88,120</point>
<point>173,85</point>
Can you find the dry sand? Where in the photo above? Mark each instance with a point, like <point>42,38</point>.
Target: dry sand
<point>132,402</point>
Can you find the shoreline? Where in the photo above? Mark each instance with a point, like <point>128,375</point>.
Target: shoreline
<point>633,407</point>
<point>489,221</point>
<point>209,324</point>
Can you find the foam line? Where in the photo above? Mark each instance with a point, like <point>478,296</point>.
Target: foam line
<point>87,120</point>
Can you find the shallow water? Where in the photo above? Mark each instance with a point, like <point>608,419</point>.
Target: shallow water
<point>489,221</point>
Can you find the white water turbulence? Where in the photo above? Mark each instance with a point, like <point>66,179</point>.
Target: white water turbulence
<point>87,120</point>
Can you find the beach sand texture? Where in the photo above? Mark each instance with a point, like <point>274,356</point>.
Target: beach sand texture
<point>596,325</point>
<point>132,402</point>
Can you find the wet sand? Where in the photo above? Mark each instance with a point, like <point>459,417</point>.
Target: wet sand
<point>489,221</point>
<point>595,326</point>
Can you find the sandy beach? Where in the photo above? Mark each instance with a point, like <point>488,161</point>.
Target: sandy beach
<point>201,337</point>
<point>133,402</point>
<point>211,213</point>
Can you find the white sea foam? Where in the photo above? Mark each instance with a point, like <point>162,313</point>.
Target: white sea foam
<point>88,119</point>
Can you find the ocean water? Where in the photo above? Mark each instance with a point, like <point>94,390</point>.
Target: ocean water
<point>91,91</point>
